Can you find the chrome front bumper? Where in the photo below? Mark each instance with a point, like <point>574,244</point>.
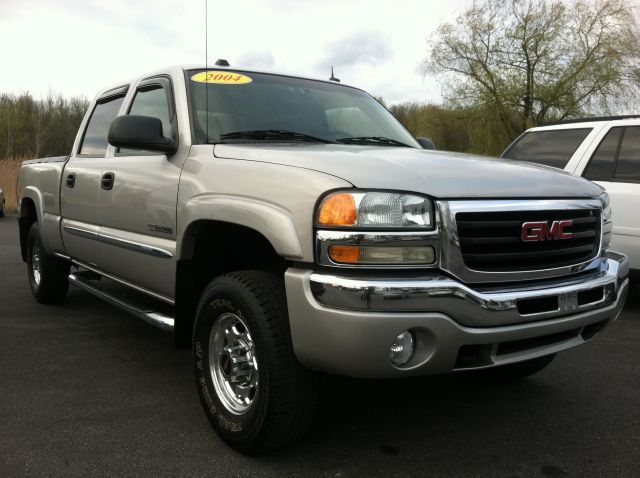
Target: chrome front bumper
<point>346,325</point>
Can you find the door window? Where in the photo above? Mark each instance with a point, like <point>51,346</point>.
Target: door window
<point>151,100</point>
<point>94,142</point>
<point>601,164</point>
<point>628,165</point>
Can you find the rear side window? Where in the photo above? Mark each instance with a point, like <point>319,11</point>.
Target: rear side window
<point>628,165</point>
<point>94,142</point>
<point>600,167</point>
<point>551,147</point>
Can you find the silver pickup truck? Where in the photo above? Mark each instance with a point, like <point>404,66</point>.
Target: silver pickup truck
<point>283,226</point>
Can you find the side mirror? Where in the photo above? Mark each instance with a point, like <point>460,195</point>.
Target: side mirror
<point>140,132</point>
<point>426,143</point>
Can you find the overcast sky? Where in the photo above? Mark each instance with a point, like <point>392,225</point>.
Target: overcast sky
<point>77,47</point>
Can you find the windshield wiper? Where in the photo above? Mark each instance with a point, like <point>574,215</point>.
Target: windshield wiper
<point>380,140</point>
<point>273,135</point>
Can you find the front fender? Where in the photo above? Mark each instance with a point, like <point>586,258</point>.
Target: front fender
<point>270,220</point>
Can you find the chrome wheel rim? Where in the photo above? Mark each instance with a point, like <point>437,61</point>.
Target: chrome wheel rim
<point>233,363</point>
<point>35,263</point>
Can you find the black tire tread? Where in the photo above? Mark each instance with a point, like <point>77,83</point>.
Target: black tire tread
<point>54,282</point>
<point>292,389</point>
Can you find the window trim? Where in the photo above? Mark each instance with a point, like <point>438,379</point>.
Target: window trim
<point>165,82</point>
<point>109,95</point>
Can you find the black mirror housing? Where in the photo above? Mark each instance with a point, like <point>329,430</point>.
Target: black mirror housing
<point>426,143</point>
<point>140,132</point>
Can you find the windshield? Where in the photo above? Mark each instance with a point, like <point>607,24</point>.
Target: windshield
<point>549,147</point>
<point>233,106</point>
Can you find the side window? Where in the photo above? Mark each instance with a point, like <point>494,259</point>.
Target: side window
<point>94,142</point>
<point>549,147</point>
<point>151,100</point>
<point>600,167</point>
<point>628,165</point>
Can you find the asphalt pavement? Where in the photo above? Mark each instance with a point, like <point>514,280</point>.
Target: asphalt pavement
<point>86,389</point>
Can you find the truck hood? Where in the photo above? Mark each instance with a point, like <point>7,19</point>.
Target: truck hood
<point>440,174</point>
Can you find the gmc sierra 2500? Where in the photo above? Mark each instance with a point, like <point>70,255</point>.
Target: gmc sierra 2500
<point>282,226</point>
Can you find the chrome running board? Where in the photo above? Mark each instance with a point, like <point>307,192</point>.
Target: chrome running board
<point>86,280</point>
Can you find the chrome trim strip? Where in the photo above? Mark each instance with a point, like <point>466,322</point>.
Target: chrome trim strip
<point>468,306</point>
<point>157,319</point>
<point>326,238</point>
<point>451,255</point>
<point>121,281</point>
<point>76,231</point>
<point>124,243</point>
<point>135,246</point>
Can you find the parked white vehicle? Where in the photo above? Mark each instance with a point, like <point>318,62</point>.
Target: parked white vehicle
<point>604,150</point>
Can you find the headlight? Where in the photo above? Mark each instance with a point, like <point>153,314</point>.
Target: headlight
<point>607,221</point>
<point>376,209</point>
<point>376,229</point>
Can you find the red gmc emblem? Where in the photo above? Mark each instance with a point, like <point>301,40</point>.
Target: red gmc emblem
<point>542,231</point>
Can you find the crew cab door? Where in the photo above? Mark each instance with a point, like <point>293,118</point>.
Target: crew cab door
<point>80,187</point>
<point>615,165</point>
<point>138,195</point>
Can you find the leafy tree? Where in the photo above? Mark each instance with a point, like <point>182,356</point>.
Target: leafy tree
<point>530,61</point>
<point>36,128</point>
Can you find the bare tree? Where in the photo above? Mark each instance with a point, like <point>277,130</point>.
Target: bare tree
<point>530,61</point>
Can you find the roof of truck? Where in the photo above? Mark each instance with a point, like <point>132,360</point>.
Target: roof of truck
<point>179,69</point>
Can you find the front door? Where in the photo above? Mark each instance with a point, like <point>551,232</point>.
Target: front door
<point>138,199</point>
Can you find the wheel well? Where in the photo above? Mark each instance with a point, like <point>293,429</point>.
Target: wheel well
<point>28,216</point>
<point>212,248</point>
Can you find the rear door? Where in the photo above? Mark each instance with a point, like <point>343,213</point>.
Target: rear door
<point>615,165</point>
<point>138,198</point>
<point>80,188</point>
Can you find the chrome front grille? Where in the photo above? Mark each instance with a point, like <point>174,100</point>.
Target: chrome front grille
<point>482,240</point>
<point>492,241</point>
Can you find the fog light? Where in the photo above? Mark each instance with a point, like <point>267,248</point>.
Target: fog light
<point>402,348</point>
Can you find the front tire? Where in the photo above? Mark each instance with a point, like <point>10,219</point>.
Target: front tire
<point>256,395</point>
<point>48,275</point>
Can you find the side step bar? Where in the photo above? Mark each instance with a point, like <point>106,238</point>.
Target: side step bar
<point>86,280</point>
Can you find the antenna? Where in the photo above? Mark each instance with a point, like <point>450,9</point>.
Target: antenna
<point>333,78</point>
<point>206,64</point>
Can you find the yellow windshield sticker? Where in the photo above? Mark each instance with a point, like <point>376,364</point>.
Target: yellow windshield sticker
<point>221,78</point>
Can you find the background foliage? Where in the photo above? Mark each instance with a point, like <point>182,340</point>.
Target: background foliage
<point>504,65</point>
<point>36,128</point>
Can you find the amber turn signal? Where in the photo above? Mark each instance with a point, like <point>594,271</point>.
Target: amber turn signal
<point>338,210</point>
<point>345,254</point>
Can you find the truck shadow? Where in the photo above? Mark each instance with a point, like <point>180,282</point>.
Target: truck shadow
<point>462,422</point>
